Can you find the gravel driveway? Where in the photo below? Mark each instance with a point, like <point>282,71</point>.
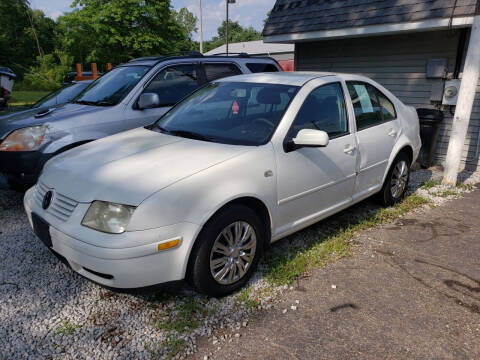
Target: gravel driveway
<point>48,311</point>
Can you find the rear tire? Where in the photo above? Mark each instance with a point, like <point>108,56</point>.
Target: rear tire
<point>396,182</point>
<point>227,251</point>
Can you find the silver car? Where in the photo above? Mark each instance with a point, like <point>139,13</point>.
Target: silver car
<point>132,95</point>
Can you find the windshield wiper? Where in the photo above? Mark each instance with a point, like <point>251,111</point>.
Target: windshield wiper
<point>104,103</point>
<point>84,102</point>
<point>186,134</point>
<point>94,103</point>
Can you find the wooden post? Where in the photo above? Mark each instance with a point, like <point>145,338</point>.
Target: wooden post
<point>79,70</point>
<point>109,67</point>
<point>94,71</point>
<point>463,110</point>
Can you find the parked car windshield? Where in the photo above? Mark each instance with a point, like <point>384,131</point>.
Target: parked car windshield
<point>229,112</point>
<point>112,87</point>
<point>62,95</point>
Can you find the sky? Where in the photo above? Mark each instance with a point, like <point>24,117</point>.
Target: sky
<point>246,12</point>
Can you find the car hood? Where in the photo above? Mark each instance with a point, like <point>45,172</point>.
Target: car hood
<point>128,167</point>
<point>40,116</point>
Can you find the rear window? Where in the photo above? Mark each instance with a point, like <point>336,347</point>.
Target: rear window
<point>217,71</point>
<point>261,67</point>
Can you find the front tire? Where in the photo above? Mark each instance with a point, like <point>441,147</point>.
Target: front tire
<point>18,187</point>
<point>227,251</point>
<point>396,182</point>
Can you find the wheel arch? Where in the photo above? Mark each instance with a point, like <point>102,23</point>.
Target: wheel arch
<point>408,150</point>
<point>254,203</point>
<point>404,147</point>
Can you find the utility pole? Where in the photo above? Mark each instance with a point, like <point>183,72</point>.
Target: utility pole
<point>463,110</point>
<point>201,26</point>
<point>226,30</point>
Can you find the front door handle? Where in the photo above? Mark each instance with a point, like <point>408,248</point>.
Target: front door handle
<point>349,149</point>
<point>392,133</point>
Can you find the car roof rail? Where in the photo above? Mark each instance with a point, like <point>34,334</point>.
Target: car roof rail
<point>239,54</point>
<point>163,57</point>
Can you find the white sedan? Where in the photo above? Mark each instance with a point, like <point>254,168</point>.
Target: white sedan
<point>239,164</point>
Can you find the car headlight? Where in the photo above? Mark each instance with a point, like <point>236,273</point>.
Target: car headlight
<point>26,139</point>
<point>108,217</point>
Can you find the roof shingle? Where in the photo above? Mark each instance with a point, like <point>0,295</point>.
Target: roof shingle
<point>297,16</point>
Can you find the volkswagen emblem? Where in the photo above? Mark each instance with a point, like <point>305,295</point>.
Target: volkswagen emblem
<point>47,199</point>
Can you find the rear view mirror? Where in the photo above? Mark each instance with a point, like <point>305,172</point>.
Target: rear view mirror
<point>311,138</point>
<point>148,101</point>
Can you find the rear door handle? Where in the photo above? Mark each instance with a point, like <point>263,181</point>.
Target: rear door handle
<point>349,149</point>
<point>392,133</point>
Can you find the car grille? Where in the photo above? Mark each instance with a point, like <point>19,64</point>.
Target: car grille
<point>61,206</point>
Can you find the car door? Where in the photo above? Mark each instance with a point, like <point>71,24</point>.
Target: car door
<point>172,83</point>
<point>377,131</point>
<point>313,182</point>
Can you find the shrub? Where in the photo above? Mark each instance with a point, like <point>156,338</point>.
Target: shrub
<point>49,72</point>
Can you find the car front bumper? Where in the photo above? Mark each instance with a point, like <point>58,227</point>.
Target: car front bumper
<point>22,167</point>
<point>133,264</point>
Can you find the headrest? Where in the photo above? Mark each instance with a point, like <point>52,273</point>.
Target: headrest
<point>269,96</point>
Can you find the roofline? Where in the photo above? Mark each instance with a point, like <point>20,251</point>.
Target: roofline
<point>371,30</point>
<point>154,61</point>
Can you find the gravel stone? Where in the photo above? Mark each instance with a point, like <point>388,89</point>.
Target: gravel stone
<point>48,311</point>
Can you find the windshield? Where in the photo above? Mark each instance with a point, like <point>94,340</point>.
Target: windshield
<point>112,87</point>
<point>229,112</point>
<point>61,96</point>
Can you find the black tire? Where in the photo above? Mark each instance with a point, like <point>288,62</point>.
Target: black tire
<point>199,273</point>
<point>386,196</point>
<point>18,187</point>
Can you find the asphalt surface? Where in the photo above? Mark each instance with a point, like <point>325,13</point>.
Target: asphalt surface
<point>411,290</point>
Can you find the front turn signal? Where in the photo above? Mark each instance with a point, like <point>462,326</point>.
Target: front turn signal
<point>168,245</point>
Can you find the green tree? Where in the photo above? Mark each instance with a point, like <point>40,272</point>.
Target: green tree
<point>75,32</point>
<point>119,30</point>
<point>187,20</point>
<point>236,33</point>
<point>21,28</point>
<point>266,19</point>
<point>49,72</point>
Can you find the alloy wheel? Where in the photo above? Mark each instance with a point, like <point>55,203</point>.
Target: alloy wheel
<point>399,179</point>
<point>233,252</point>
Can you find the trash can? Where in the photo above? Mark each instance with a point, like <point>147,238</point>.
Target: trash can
<point>7,78</point>
<point>430,120</point>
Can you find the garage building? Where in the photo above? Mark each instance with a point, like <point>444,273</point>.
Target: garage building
<point>415,48</point>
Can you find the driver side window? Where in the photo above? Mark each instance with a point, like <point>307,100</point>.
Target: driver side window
<point>174,83</point>
<point>323,109</point>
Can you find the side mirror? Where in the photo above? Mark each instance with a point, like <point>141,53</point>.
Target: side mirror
<point>148,101</point>
<point>311,138</point>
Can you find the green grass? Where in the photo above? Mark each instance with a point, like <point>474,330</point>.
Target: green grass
<point>174,345</point>
<point>464,186</point>
<point>280,268</point>
<point>444,193</point>
<point>283,269</point>
<point>244,298</point>
<point>430,183</point>
<point>66,328</point>
<point>25,98</point>
<point>185,317</point>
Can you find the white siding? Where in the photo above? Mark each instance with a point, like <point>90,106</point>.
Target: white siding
<point>398,62</point>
